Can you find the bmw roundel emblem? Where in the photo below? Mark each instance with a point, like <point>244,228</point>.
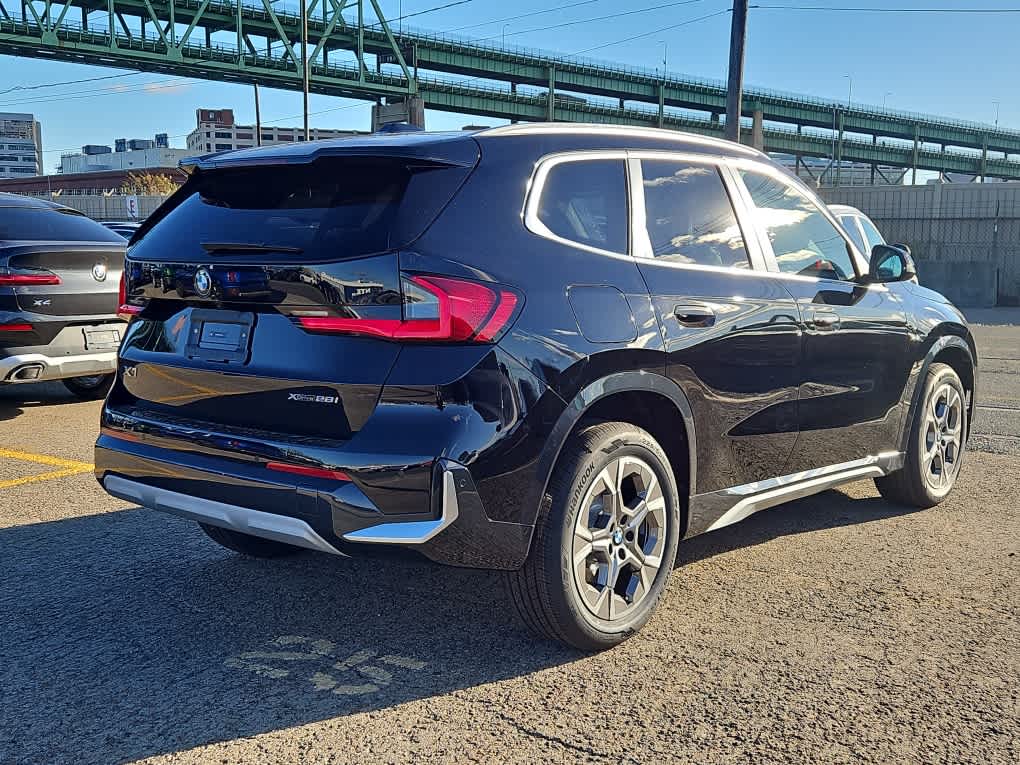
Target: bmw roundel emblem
<point>99,272</point>
<point>203,282</point>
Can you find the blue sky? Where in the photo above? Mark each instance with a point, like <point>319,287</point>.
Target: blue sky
<point>956,65</point>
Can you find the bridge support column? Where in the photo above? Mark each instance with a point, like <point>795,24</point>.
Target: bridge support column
<point>874,142</point>
<point>917,147</point>
<point>662,104</point>
<point>758,129</point>
<point>984,159</point>
<point>715,118</point>
<point>839,149</point>
<point>551,96</point>
<point>410,110</point>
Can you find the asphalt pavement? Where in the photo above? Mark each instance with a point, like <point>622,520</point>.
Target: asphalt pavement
<point>835,629</point>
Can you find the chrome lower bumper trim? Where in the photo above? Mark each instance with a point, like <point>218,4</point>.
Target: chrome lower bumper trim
<point>280,528</point>
<point>59,367</point>
<point>418,531</point>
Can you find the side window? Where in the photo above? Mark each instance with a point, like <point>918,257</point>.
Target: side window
<point>585,201</point>
<point>850,224</point>
<point>689,215</point>
<point>873,235</point>
<point>803,239</point>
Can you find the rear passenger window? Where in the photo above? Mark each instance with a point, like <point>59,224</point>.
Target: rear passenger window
<point>585,201</point>
<point>689,216</point>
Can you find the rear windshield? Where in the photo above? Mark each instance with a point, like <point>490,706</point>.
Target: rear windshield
<point>49,224</point>
<point>330,209</point>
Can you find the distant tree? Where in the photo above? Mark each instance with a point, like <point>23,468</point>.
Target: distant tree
<point>148,183</point>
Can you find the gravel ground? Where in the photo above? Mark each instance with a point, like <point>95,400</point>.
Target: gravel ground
<point>834,629</point>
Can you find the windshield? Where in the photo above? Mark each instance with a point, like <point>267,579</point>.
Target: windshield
<point>52,225</point>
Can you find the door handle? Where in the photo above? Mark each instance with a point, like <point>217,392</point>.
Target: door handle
<point>694,315</point>
<point>825,320</point>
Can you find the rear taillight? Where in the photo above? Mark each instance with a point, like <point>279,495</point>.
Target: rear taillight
<point>311,472</point>
<point>27,279</point>
<point>125,311</point>
<point>20,327</point>
<point>435,309</point>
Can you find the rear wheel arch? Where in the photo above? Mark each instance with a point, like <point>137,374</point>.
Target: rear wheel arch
<point>648,400</point>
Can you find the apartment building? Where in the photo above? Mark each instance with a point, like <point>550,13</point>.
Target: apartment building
<point>216,130</point>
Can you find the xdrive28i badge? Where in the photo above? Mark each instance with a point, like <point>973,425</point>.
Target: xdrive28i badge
<point>203,282</point>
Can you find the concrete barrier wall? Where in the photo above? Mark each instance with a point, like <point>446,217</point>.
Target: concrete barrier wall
<point>102,207</point>
<point>976,226</point>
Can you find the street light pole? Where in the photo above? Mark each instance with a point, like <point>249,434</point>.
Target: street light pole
<point>850,92</point>
<point>996,113</point>
<point>885,98</point>
<point>735,85</point>
<point>304,61</point>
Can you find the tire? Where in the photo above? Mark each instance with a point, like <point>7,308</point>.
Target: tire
<point>938,436</point>
<point>571,603</point>
<point>246,544</point>
<point>91,387</point>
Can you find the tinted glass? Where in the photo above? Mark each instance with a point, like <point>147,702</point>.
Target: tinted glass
<point>326,210</point>
<point>585,201</point>
<point>52,225</point>
<point>689,216</point>
<point>804,240</point>
<point>850,224</point>
<point>872,233</point>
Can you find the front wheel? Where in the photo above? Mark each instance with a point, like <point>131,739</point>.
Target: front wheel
<point>605,544</point>
<point>938,436</point>
<point>91,387</point>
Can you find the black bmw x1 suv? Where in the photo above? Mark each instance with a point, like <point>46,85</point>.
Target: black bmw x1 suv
<point>554,350</point>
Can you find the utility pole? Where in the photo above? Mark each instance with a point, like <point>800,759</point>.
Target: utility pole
<point>738,34</point>
<point>304,61</point>
<point>258,118</point>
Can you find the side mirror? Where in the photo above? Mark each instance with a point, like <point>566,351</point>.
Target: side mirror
<point>890,263</point>
<point>905,248</point>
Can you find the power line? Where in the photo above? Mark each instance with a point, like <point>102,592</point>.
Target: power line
<point>68,82</point>
<point>659,30</point>
<point>602,18</point>
<point>153,85</point>
<point>525,15</point>
<point>427,10</point>
<point>883,10</point>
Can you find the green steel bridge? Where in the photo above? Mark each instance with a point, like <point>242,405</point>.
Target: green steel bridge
<point>354,53</point>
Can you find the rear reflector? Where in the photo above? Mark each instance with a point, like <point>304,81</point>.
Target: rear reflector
<point>125,311</point>
<point>435,309</point>
<point>15,327</point>
<point>28,280</point>
<point>285,467</point>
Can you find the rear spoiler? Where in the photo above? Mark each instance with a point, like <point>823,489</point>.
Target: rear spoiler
<point>432,148</point>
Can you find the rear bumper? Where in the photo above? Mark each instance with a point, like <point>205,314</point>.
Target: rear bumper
<point>314,513</point>
<point>36,367</point>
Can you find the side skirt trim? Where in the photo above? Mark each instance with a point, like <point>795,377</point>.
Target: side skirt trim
<point>280,528</point>
<point>717,509</point>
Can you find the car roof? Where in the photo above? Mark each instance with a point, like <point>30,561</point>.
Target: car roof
<point>18,200</point>
<point>460,146</point>
<point>846,210</point>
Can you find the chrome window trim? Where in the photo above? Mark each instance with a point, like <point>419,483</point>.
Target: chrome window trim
<point>536,185</point>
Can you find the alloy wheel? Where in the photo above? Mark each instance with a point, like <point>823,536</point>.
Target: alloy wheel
<point>942,438</point>
<point>619,538</point>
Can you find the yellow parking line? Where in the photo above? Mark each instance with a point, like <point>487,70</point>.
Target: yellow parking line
<point>45,476</point>
<point>44,459</point>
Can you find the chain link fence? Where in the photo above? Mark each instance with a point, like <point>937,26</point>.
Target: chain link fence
<point>964,237</point>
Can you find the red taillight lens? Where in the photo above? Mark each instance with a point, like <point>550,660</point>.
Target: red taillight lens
<point>15,327</point>
<point>286,467</point>
<point>28,280</point>
<point>436,309</point>
<point>125,311</point>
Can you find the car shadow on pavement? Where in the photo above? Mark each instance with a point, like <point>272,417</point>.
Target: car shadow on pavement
<point>130,634</point>
<point>828,510</point>
<point>14,399</point>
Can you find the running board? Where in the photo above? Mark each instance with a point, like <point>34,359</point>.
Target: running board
<point>717,509</point>
<point>280,528</point>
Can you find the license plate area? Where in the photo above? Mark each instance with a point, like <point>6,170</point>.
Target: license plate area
<point>101,339</point>
<point>221,336</point>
